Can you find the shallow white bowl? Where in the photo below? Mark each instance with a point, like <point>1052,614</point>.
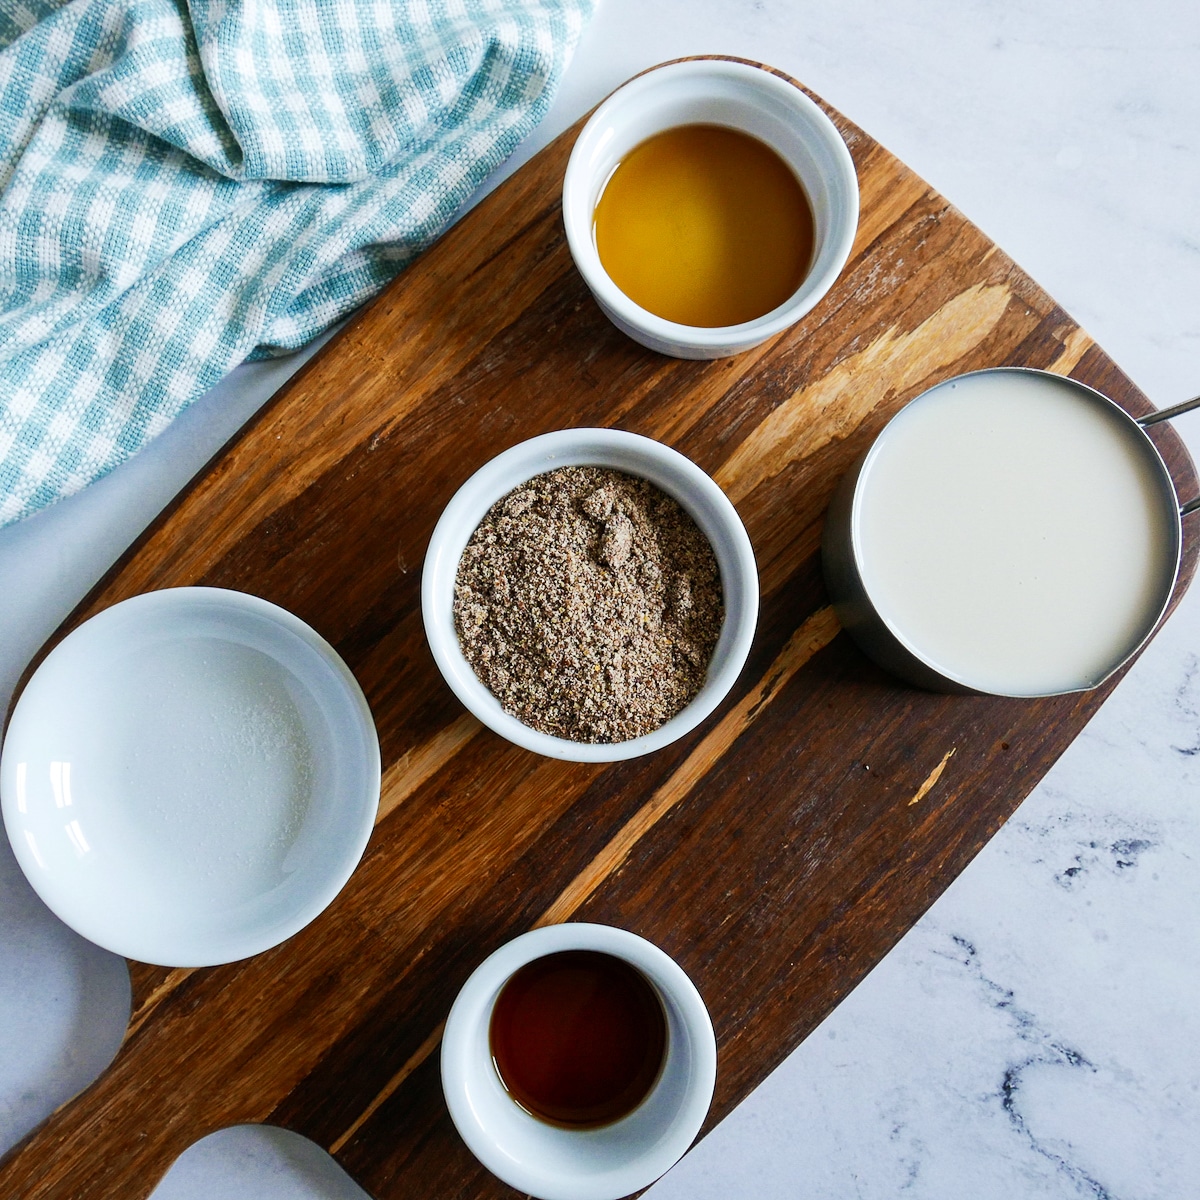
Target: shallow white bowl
<point>552,1163</point>
<point>676,475</point>
<point>739,96</point>
<point>190,777</point>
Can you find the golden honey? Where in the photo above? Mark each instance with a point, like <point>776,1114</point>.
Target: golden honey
<point>705,226</point>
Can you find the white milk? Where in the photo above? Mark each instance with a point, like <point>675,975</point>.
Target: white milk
<point>1014,533</point>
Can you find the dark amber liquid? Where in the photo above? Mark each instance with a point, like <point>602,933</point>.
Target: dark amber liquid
<point>705,226</point>
<point>578,1038</point>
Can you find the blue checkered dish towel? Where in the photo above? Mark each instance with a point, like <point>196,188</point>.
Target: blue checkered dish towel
<point>188,183</point>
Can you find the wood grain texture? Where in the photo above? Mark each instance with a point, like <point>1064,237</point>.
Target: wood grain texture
<point>778,852</point>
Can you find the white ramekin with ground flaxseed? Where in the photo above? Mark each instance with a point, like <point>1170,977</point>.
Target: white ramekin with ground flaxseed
<point>634,455</point>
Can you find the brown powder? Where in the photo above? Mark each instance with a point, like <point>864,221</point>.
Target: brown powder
<point>589,603</point>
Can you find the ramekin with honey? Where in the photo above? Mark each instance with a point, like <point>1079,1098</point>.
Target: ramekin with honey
<point>709,204</point>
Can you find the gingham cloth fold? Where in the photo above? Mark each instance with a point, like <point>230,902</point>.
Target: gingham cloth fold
<point>184,185</point>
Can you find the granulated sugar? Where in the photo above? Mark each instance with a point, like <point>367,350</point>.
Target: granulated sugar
<point>589,603</point>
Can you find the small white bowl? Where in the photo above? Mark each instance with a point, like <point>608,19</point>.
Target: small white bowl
<point>739,96</point>
<point>190,777</point>
<point>553,1163</point>
<point>633,454</point>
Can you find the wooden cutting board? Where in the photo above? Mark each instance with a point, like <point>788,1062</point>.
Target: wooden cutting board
<point>778,852</point>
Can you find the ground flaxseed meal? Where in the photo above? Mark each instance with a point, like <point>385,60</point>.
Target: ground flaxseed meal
<point>589,603</point>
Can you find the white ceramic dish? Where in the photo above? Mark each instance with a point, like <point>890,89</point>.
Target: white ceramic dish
<point>190,777</point>
<point>545,1160</point>
<point>739,96</point>
<point>676,475</point>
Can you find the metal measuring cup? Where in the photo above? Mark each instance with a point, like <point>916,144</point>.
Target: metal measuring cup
<point>883,641</point>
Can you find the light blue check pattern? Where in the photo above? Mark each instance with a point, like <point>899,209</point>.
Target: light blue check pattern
<point>188,183</point>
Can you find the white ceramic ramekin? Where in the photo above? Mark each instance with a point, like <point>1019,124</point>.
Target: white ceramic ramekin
<point>740,96</point>
<point>190,776</point>
<point>676,475</point>
<point>552,1163</point>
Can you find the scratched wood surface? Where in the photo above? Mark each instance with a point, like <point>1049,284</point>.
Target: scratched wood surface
<point>778,852</point>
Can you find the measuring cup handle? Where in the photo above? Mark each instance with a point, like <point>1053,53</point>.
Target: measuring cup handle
<point>1165,414</point>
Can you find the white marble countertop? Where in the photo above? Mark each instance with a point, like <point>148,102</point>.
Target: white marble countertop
<point>1036,1034</point>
